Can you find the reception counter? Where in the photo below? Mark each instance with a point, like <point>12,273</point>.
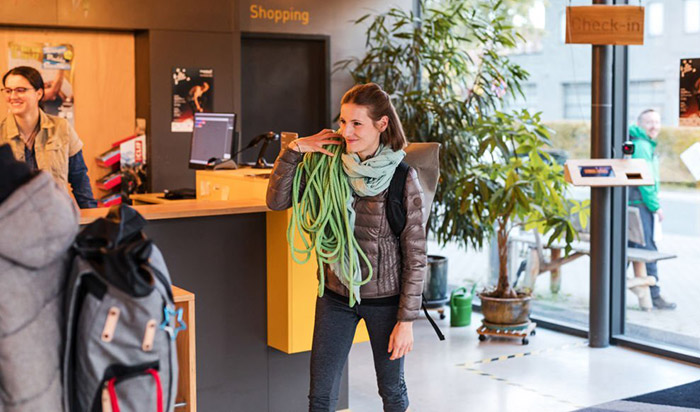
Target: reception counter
<point>185,208</point>
<point>219,251</point>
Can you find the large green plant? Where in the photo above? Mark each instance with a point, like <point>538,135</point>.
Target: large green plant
<point>447,71</point>
<point>516,183</point>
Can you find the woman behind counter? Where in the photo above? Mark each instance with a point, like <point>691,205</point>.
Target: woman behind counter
<point>43,141</point>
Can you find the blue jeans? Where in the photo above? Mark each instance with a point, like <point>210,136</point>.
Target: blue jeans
<point>334,330</point>
<point>647,217</point>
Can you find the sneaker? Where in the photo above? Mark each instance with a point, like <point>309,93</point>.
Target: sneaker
<point>661,303</point>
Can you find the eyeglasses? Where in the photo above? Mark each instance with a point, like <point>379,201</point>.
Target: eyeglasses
<point>18,90</point>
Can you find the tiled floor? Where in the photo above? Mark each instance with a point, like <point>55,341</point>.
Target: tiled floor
<point>561,373</point>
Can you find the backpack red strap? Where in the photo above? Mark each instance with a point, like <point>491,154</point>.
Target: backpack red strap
<point>159,391</point>
<point>113,394</point>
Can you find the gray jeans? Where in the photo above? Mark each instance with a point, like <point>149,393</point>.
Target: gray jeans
<point>647,217</point>
<point>334,330</point>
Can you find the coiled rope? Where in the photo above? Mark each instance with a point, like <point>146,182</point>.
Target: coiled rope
<point>321,212</point>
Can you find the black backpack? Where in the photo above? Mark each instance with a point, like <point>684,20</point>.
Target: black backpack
<point>396,215</point>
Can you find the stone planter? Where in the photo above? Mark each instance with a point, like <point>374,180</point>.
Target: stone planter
<point>505,311</point>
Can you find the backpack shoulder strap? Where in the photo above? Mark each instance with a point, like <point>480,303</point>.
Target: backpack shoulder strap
<point>395,210</point>
<point>436,328</point>
<point>396,215</point>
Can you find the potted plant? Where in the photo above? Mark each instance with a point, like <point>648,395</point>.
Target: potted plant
<point>516,184</point>
<point>448,72</point>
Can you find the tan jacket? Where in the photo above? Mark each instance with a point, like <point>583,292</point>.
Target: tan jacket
<point>55,143</point>
<point>399,265</point>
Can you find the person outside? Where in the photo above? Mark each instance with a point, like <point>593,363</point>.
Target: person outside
<point>390,301</point>
<point>43,141</point>
<point>646,198</point>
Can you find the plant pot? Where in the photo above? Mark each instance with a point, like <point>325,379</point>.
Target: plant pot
<point>505,311</point>
<point>435,286</point>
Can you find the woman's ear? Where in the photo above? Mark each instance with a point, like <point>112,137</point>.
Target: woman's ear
<point>383,123</point>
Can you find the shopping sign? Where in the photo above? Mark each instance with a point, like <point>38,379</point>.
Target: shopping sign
<point>605,25</point>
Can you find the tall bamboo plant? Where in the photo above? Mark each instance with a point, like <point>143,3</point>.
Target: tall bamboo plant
<point>448,70</point>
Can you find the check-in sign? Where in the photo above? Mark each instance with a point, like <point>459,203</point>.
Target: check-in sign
<point>599,24</point>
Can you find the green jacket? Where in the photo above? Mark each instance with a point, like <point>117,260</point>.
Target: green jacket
<point>644,148</point>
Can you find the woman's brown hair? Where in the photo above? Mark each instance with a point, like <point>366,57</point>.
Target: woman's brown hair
<point>378,104</point>
<point>33,77</point>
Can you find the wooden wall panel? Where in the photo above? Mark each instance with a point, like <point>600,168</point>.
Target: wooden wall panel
<point>104,85</point>
<point>39,12</point>
<point>211,16</point>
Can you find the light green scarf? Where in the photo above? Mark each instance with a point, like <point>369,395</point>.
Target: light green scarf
<point>366,178</point>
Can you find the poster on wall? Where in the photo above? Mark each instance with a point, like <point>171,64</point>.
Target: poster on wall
<point>193,91</point>
<point>689,105</point>
<point>55,63</point>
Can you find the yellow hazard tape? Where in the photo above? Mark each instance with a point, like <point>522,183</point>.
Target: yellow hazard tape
<point>523,354</point>
<point>471,368</point>
<point>526,388</point>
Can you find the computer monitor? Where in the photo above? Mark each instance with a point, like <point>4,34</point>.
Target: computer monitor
<point>212,137</point>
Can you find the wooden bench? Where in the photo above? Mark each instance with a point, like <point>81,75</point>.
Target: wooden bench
<point>538,264</point>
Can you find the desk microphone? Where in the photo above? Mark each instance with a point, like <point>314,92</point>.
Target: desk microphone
<point>266,138</point>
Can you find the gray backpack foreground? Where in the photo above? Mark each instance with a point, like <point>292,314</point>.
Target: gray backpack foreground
<point>120,352</point>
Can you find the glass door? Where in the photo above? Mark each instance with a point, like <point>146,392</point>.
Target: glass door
<point>662,293</point>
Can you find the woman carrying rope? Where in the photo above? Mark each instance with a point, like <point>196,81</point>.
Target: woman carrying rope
<point>337,185</point>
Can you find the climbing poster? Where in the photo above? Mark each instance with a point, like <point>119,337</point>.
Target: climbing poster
<point>689,105</point>
<point>193,91</point>
<point>55,63</point>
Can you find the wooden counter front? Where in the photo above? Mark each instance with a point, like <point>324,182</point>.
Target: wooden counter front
<point>186,352</point>
<point>185,208</point>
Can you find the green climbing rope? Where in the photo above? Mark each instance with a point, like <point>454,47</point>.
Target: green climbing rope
<point>321,213</point>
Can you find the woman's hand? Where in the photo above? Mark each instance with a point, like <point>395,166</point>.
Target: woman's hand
<point>401,340</point>
<point>316,142</point>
